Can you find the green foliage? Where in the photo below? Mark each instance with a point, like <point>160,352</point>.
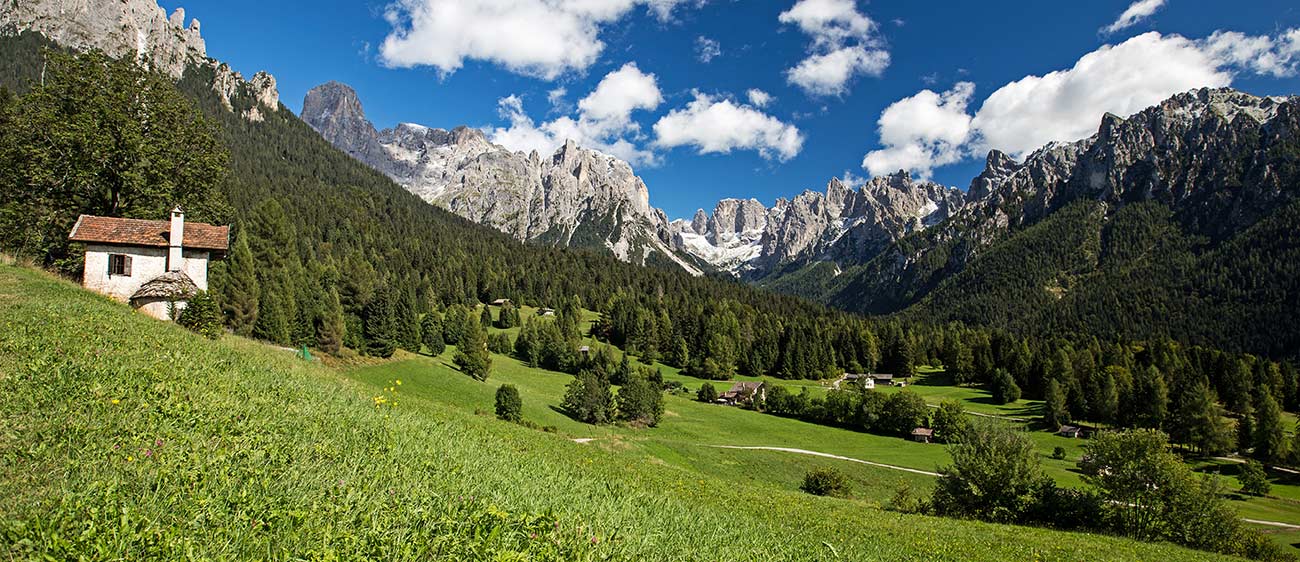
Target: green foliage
<point>905,411</point>
<point>501,343</point>
<point>431,334</point>
<point>707,394</point>
<point>485,319</point>
<point>1004,387</point>
<point>239,300</point>
<point>202,316</point>
<point>509,406</point>
<point>950,423</point>
<point>995,476</point>
<point>1058,452</point>
<point>1270,442</point>
<point>826,482</point>
<point>1253,479</point>
<point>1054,412</point>
<point>381,325</point>
<point>907,499</point>
<point>1150,494</point>
<point>106,137</point>
<point>588,399</point>
<point>1201,422</point>
<point>640,401</point>
<point>472,352</point>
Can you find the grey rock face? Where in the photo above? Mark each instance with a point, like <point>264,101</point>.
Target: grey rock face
<point>744,237</point>
<point>577,196</point>
<point>140,29</point>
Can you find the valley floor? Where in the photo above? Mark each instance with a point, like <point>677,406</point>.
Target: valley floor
<point>124,437</point>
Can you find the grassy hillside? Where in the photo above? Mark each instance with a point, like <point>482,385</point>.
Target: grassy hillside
<point>126,437</point>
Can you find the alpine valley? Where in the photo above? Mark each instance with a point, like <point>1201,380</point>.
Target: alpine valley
<point>1182,194</point>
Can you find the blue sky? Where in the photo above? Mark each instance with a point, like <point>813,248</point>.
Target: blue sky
<point>917,94</point>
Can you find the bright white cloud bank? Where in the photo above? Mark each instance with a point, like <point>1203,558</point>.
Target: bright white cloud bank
<point>713,124</point>
<point>604,120</point>
<point>1136,12</point>
<point>928,129</point>
<point>844,45</point>
<point>541,38</point>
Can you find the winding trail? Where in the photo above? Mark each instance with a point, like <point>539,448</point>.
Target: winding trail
<point>826,455</point>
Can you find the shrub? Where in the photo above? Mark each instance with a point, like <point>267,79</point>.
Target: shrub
<point>950,422</point>
<point>201,315</point>
<point>995,475</point>
<point>588,399</point>
<point>1253,479</point>
<point>509,406</point>
<point>906,499</point>
<point>1058,453</point>
<point>706,393</point>
<point>825,482</point>
<point>640,401</point>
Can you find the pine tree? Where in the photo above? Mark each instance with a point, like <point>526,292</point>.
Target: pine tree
<point>485,319</point>
<point>407,320</point>
<point>1269,439</point>
<point>623,374</point>
<point>640,401</point>
<point>1005,389</point>
<point>1105,405</point>
<point>588,399</point>
<point>201,315</point>
<point>240,299</point>
<point>431,334</point>
<point>472,355</point>
<point>1200,422</point>
<point>1151,398</point>
<point>330,327</point>
<point>380,325</point>
<point>272,319</point>
<point>1055,413</point>
<point>509,406</point>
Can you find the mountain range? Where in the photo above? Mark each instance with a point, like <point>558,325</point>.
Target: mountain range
<point>1179,220</point>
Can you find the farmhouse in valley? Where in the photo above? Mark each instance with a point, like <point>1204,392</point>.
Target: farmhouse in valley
<point>149,264</point>
<point>743,393</point>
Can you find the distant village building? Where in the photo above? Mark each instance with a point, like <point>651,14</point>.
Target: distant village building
<point>743,393</point>
<point>500,302</point>
<point>1069,431</point>
<point>546,312</point>
<point>922,434</point>
<point>149,264</point>
<point>863,381</point>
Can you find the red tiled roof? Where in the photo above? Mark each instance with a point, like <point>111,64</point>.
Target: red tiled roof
<point>138,232</point>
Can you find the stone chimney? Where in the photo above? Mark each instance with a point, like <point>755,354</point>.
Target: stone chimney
<point>175,238</point>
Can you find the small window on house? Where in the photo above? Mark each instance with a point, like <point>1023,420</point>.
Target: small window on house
<point>119,264</point>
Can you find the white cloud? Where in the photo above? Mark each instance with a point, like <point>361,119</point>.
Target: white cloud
<point>707,49</point>
<point>540,38</point>
<point>844,45</point>
<point>829,74</point>
<point>1136,12</point>
<point>927,130</point>
<point>758,98</point>
<point>719,125</point>
<point>604,121</point>
<point>1274,56</point>
<point>663,9</point>
<point>922,131</point>
<point>556,97</point>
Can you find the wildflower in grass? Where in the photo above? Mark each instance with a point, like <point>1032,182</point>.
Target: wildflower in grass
<point>399,382</point>
<point>148,453</point>
<point>129,458</point>
<point>116,401</point>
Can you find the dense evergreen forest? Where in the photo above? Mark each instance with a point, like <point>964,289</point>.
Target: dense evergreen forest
<point>331,254</point>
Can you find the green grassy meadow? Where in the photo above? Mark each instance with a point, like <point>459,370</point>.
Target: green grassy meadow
<point>125,438</point>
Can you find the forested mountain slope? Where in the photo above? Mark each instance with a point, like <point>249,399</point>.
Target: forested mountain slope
<point>1179,221</point>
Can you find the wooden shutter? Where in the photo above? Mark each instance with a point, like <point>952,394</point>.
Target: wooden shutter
<point>126,265</point>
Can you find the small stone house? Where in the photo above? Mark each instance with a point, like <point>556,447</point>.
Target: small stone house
<point>149,264</point>
<point>922,434</point>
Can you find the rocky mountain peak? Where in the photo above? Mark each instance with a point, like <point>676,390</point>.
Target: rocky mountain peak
<point>139,29</point>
